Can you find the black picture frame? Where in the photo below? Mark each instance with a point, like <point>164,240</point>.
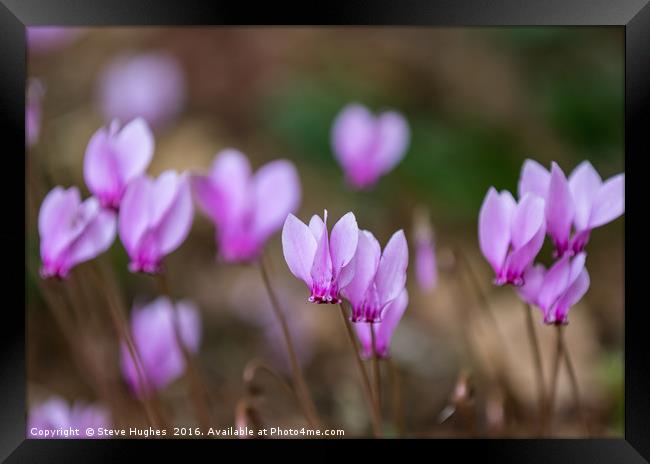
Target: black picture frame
<point>632,15</point>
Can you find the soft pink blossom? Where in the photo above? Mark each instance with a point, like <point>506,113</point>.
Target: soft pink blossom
<point>574,206</point>
<point>368,146</point>
<point>116,156</point>
<point>246,208</point>
<point>155,218</point>
<point>154,333</point>
<point>149,85</point>
<point>383,330</point>
<point>72,231</point>
<point>511,234</point>
<point>556,290</point>
<point>318,259</point>
<point>378,278</point>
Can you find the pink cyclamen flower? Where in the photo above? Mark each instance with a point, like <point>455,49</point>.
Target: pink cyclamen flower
<point>426,267</point>
<point>366,146</point>
<point>155,336</point>
<point>44,39</point>
<point>378,278</point>
<point>511,234</point>
<point>150,85</point>
<point>582,202</point>
<point>555,291</point>
<point>72,231</point>
<point>114,157</point>
<point>57,417</point>
<point>245,208</point>
<point>155,218</point>
<point>318,260</point>
<point>33,112</point>
<point>384,329</point>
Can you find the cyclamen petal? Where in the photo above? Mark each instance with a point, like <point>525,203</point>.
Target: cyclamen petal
<point>56,414</point>
<point>72,231</point>
<point>377,280</point>
<point>426,268</point>
<point>154,220</point>
<point>299,248</point>
<point>277,180</point>
<point>116,157</point>
<point>310,255</point>
<point>148,85</point>
<point>584,183</point>
<point>246,209</point>
<point>511,234</point>
<point>364,266</point>
<point>33,111</point>
<point>345,236</point>
<point>383,330</point>
<point>367,147</point>
<point>391,273</point>
<point>155,337</point>
<point>494,228</point>
<point>560,209</point>
<point>583,201</point>
<point>609,202</point>
<point>555,291</point>
<point>534,178</point>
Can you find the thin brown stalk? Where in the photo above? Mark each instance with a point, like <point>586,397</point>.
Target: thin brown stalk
<point>554,378</point>
<point>300,386</point>
<point>124,334</point>
<point>396,390</point>
<point>376,420</point>
<point>255,365</point>
<point>574,384</point>
<point>537,361</point>
<point>376,373</point>
<point>198,390</point>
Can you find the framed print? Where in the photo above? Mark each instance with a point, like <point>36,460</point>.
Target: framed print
<point>367,221</point>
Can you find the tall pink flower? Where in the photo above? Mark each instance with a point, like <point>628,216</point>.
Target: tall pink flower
<point>378,278</point>
<point>155,218</point>
<point>149,85</point>
<point>555,291</point>
<point>56,414</point>
<point>114,157</point>
<point>574,206</point>
<point>72,231</point>
<point>45,39</point>
<point>321,262</point>
<point>511,234</point>
<point>33,111</point>
<point>366,146</point>
<point>245,208</point>
<point>426,266</point>
<point>384,329</point>
<point>155,337</point>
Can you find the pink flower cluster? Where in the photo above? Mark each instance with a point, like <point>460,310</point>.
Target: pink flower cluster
<point>152,216</point>
<point>511,232</point>
<point>349,263</point>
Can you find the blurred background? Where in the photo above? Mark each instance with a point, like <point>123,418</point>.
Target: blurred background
<point>478,101</point>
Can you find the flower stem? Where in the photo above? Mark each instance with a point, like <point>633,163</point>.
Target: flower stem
<point>198,390</point>
<point>300,386</point>
<point>255,365</point>
<point>574,384</point>
<point>376,373</point>
<point>396,390</point>
<point>537,360</point>
<point>124,334</point>
<point>554,377</point>
<point>376,421</point>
